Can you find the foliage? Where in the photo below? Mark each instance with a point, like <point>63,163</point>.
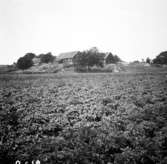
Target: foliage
<point>30,55</point>
<point>148,60</point>
<point>47,58</point>
<point>112,58</point>
<point>161,58</point>
<point>25,62</point>
<point>86,59</point>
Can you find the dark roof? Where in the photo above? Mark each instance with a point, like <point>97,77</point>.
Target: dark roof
<point>67,55</point>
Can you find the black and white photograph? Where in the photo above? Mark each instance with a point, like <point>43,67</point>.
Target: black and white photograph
<point>83,81</point>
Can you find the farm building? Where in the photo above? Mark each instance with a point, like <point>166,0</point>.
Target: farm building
<point>104,59</point>
<point>67,57</point>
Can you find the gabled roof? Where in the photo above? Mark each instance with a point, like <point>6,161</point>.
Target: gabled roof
<point>106,55</point>
<point>67,55</point>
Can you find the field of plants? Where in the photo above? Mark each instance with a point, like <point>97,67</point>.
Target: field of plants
<point>87,118</point>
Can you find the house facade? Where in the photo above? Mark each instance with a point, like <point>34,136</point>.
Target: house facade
<point>66,58</point>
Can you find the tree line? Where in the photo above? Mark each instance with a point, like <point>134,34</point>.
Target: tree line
<point>159,59</point>
<point>84,60</point>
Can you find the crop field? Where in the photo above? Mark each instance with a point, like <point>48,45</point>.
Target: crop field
<point>86,118</point>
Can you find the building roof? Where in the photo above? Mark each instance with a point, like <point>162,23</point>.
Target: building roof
<point>106,55</point>
<point>67,55</point>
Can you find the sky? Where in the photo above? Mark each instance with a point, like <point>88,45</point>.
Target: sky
<point>131,29</point>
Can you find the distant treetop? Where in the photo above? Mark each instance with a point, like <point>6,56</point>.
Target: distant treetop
<point>112,58</point>
<point>47,58</point>
<point>94,50</point>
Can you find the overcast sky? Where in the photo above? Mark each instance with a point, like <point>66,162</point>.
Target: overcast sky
<point>132,29</point>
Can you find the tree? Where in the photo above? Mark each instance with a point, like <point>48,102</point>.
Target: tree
<point>80,60</point>
<point>94,58</point>
<point>142,60</point>
<point>112,58</point>
<point>94,50</point>
<point>148,60</point>
<point>24,63</point>
<point>161,58</point>
<point>86,59</point>
<point>30,55</point>
<point>47,58</point>
<point>117,59</point>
